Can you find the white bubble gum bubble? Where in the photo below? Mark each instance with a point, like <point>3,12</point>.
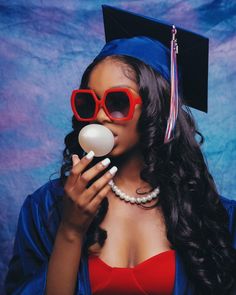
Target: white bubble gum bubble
<point>97,138</point>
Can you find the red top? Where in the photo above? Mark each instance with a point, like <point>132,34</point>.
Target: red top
<point>154,276</point>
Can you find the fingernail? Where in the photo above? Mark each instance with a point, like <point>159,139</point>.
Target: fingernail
<point>90,155</point>
<point>106,162</point>
<point>113,170</point>
<point>75,159</point>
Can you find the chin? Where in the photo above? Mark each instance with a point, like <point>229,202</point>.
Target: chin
<point>116,152</point>
<point>119,151</point>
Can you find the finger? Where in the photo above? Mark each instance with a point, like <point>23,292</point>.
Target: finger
<point>97,200</point>
<point>70,179</point>
<point>88,175</point>
<point>77,169</point>
<point>75,159</point>
<point>98,185</point>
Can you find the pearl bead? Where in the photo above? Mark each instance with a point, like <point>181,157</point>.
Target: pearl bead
<point>130,199</point>
<point>122,195</point>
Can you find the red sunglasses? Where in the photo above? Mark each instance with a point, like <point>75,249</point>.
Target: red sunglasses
<point>118,104</point>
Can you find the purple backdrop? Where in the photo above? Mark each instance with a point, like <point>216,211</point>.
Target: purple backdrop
<point>44,48</point>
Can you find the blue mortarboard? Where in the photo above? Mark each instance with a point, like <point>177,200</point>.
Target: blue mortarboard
<point>148,40</point>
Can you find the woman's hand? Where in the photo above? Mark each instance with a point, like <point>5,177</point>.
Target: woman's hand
<point>81,202</point>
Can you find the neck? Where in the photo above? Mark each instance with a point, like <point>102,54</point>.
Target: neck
<point>130,165</point>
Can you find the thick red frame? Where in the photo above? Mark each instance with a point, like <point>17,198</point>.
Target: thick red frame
<point>101,103</point>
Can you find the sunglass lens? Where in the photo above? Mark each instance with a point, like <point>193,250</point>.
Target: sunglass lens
<point>85,105</point>
<point>117,104</point>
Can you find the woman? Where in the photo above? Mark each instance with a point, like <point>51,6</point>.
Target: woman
<point>173,233</point>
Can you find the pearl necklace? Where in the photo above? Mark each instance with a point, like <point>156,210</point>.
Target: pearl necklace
<point>133,200</point>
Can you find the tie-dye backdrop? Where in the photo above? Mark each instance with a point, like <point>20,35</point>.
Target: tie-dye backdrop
<point>44,48</point>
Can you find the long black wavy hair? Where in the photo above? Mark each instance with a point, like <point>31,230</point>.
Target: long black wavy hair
<point>196,221</point>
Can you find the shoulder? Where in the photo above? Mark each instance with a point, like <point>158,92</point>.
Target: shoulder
<point>228,203</point>
<point>46,194</point>
<point>230,206</point>
<point>44,201</point>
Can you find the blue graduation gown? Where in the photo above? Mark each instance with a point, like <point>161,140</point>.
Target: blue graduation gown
<point>37,226</point>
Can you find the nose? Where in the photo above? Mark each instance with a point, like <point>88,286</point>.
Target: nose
<point>102,116</point>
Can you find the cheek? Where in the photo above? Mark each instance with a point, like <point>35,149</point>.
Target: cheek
<point>128,138</point>
<point>130,135</point>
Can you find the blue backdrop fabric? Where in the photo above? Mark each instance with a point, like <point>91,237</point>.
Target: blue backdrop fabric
<point>44,48</point>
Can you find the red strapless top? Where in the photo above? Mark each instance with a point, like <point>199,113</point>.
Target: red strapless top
<point>154,276</point>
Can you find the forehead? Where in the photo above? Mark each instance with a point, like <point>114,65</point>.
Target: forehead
<point>111,73</point>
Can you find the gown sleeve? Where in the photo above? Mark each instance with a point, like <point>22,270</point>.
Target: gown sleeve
<point>35,234</point>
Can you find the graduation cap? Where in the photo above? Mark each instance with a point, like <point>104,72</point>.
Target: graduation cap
<point>149,40</point>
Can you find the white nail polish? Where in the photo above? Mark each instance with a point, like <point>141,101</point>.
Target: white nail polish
<point>113,170</point>
<point>75,159</point>
<point>106,162</point>
<point>90,155</point>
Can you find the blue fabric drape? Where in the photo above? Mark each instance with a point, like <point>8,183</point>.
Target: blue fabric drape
<point>37,227</point>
